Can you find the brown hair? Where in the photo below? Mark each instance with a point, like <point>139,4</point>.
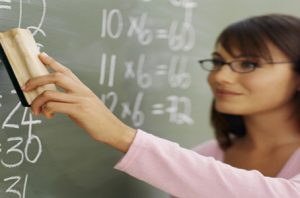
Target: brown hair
<point>251,36</point>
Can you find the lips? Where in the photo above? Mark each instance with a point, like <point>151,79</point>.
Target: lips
<point>225,92</point>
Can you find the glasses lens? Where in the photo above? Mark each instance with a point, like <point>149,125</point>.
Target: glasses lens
<point>243,66</point>
<point>210,65</point>
<point>207,65</point>
<point>236,66</point>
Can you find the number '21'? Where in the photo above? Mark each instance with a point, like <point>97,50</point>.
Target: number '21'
<point>11,189</point>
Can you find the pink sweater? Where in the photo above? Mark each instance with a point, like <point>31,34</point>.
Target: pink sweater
<point>187,174</point>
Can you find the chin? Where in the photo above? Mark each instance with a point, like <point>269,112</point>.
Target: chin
<point>229,109</point>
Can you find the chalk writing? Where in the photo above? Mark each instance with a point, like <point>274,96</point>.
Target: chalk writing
<point>17,180</point>
<point>180,36</point>
<point>20,145</point>
<point>136,84</point>
<point>144,80</point>
<point>5,4</point>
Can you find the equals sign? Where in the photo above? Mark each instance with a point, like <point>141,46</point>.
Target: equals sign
<point>162,34</point>
<point>3,6</point>
<point>161,70</point>
<point>157,109</point>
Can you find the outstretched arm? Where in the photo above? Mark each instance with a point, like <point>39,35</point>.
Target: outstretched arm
<point>80,104</point>
<point>159,162</point>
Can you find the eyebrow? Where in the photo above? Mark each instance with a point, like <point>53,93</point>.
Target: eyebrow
<point>216,54</point>
<point>239,56</point>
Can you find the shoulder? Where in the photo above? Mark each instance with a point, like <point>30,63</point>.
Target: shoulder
<point>210,148</point>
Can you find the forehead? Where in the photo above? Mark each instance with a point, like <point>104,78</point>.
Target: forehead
<point>244,41</point>
<point>274,53</point>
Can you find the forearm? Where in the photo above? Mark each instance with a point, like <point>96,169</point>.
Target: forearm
<point>184,173</point>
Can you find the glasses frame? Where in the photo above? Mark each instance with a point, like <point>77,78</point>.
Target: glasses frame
<point>232,67</point>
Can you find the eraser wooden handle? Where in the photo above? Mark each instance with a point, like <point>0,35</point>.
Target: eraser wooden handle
<point>22,53</point>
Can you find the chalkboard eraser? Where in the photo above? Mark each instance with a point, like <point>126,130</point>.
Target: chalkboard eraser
<point>19,54</point>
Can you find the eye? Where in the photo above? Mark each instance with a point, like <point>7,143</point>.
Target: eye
<point>249,64</point>
<point>217,62</point>
<point>245,66</point>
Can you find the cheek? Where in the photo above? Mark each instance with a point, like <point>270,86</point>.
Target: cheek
<point>256,80</point>
<point>271,86</point>
<point>265,94</point>
<point>210,80</point>
<point>266,84</point>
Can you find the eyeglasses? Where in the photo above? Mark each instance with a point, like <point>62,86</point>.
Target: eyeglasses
<point>239,66</point>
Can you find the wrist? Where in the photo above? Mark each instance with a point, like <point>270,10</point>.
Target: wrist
<point>121,138</point>
<point>126,139</point>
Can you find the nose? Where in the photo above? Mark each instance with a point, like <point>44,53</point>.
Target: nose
<point>222,75</point>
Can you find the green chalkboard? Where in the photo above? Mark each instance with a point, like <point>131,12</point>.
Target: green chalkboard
<point>140,57</point>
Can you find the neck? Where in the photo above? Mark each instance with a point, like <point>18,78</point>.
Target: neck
<point>271,130</point>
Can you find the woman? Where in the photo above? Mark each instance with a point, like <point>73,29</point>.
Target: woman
<point>254,76</point>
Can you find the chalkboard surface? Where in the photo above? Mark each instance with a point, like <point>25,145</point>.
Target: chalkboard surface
<point>140,57</point>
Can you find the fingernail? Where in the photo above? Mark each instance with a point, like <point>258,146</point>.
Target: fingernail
<point>45,54</point>
<point>23,87</point>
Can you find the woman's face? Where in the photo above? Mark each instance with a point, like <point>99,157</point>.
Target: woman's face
<point>268,88</point>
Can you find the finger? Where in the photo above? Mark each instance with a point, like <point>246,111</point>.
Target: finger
<point>46,96</point>
<point>50,108</point>
<point>46,113</point>
<point>50,62</point>
<point>56,78</point>
<point>56,66</point>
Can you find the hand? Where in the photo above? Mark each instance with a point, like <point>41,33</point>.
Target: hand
<point>80,104</point>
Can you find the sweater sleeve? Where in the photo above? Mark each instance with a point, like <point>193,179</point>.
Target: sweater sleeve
<point>186,174</point>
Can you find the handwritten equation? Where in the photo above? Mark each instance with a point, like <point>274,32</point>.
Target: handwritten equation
<point>177,108</point>
<point>179,36</point>
<point>175,71</point>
